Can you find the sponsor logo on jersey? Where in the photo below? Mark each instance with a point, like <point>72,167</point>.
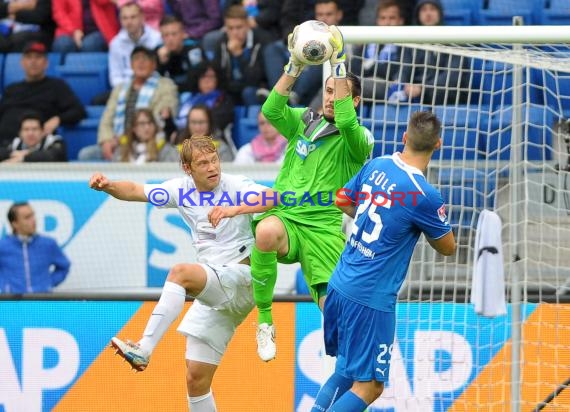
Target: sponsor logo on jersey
<point>442,213</point>
<point>304,148</point>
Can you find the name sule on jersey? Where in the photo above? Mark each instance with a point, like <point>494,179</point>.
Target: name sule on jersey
<point>380,179</point>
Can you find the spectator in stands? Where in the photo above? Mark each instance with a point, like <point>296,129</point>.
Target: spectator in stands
<point>50,97</point>
<point>83,25</point>
<point>207,88</point>
<point>153,11</point>
<point>30,21</point>
<point>267,147</point>
<point>379,64</point>
<point>198,16</point>
<point>29,263</point>
<point>428,77</point>
<point>142,143</point>
<point>239,56</point>
<point>134,32</point>
<point>200,123</point>
<point>147,89</point>
<point>263,14</point>
<point>178,59</point>
<point>32,145</point>
<point>277,55</point>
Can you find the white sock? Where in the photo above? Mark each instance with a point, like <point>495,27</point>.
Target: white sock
<point>165,312</point>
<point>203,403</point>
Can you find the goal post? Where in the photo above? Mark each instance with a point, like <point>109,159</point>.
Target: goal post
<point>504,107</point>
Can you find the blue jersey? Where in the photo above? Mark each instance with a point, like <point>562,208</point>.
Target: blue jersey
<point>395,204</point>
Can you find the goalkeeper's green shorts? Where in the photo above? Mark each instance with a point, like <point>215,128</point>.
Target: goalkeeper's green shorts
<point>316,248</point>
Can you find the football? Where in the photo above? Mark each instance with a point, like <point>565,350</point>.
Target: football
<point>311,42</point>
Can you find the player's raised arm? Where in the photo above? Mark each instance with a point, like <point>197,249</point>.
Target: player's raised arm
<point>264,201</point>
<point>122,190</point>
<point>338,66</point>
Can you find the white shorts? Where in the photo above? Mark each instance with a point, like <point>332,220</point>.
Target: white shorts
<point>219,309</point>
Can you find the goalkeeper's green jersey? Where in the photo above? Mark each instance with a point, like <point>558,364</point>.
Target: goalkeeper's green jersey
<point>320,158</point>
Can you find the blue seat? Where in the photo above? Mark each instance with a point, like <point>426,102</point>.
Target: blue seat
<point>460,132</point>
<point>388,124</point>
<point>557,13</point>
<point>78,136</point>
<point>461,12</point>
<point>13,71</point>
<point>252,111</point>
<point>2,58</point>
<point>501,12</point>
<point>247,130</point>
<point>86,73</point>
<point>557,91</point>
<point>495,143</point>
<point>87,60</point>
<point>466,192</point>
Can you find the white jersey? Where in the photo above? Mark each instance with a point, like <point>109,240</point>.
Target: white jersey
<point>232,240</point>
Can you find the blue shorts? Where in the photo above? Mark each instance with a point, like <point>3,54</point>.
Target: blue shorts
<point>360,337</point>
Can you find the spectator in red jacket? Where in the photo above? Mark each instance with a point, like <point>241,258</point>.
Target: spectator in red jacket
<point>84,25</point>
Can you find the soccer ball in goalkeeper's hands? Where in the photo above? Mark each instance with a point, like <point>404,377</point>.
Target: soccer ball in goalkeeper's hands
<point>311,42</point>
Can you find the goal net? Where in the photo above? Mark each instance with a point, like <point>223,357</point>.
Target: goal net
<point>504,108</point>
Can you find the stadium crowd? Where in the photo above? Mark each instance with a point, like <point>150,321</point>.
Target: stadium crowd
<point>169,56</point>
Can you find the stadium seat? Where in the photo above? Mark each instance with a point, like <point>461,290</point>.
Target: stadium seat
<point>556,90</point>
<point>460,132</point>
<point>557,13</point>
<point>501,12</point>
<point>252,111</point>
<point>86,73</point>
<point>460,12</point>
<point>466,192</point>
<point>537,124</point>
<point>387,124</point>
<point>247,130</point>
<point>13,71</point>
<point>2,58</point>
<point>81,135</point>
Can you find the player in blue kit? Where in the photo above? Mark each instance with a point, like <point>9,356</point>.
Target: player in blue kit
<point>392,204</point>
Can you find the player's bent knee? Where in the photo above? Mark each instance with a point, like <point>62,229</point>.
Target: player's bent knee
<point>197,382</point>
<point>269,233</point>
<point>184,274</point>
<point>368,391</point>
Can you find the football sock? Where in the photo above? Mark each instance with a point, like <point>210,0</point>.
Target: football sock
<point>349,402</point>
<point>203,403</point>
<point>333,388</point>
<point>264,277</point>
<point>165,312</point>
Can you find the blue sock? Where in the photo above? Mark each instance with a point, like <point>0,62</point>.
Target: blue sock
<point>349,402</point>
<point>333,388</point>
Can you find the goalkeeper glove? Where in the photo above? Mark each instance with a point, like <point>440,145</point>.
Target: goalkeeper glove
<point>294,67</point>
<point>338,57</point>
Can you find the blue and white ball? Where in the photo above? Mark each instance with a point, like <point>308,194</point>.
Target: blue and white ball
<point>311,43</point>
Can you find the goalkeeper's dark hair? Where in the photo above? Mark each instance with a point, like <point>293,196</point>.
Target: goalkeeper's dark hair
<point>31,115</point>
<point>356,84</point>
<point>424,132</point>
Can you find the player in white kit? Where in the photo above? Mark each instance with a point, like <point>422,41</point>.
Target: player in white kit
<point>220,282</point>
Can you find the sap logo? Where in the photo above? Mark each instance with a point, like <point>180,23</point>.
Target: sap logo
<point>303,148</point>
<point>413,383</point>
<point>169,243</point>
<point>54,218</point>
<point>25,394</point>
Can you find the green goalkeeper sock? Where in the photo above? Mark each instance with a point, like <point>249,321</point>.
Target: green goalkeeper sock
<point>264,276</point>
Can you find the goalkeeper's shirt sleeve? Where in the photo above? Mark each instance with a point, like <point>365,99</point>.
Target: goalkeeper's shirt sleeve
<point>359,141</point>
<point>284,118</point>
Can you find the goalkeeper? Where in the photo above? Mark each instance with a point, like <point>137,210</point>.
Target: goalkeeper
<point>323,153</point>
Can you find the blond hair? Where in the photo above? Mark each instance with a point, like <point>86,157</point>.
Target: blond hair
<point>195,143</point>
